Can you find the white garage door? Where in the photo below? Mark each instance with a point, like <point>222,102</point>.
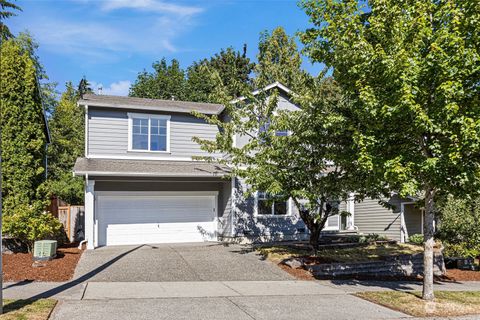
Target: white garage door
<point>139,218</point>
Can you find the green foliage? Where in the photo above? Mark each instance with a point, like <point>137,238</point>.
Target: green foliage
<point>307,164</point>
<point>459,228</point>
<point>463,250</point>
<point>412,68</point>
<point>29,223</point>
<point>6,11</point>
<point>229,69</point>
<point>67,129</point>
<point>166,81</point>
<point>279,60</point>
<point>23,136</point>
<point>416,239</point>
<point>83,87</point>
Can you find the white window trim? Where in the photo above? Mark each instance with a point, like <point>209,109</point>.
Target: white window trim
<point>276,216</point>
<point>149,117</point>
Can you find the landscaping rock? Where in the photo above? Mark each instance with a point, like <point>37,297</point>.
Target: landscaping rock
<point>401,266</point>
<point>10,245</point>
<point>294,263</point>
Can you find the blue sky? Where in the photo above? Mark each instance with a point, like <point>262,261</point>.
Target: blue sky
<point>110,41</point>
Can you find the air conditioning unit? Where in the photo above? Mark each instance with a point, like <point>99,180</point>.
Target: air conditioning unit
<point>44,250</point>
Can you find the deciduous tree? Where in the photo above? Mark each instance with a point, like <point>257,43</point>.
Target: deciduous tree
<point>303,155</point>
<point>167,81</point>
<point>413,70</point>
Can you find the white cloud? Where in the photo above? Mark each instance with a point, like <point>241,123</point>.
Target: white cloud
<point>119,88</point>
<point>151,5</point>
<point>149,26</point>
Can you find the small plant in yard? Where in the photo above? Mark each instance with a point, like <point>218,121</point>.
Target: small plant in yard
<point>29,223</point>
<point>416,239</point>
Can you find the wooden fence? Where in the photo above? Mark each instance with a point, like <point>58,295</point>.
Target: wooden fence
<point>73,220</point>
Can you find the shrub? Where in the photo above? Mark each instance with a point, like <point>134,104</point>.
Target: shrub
<point>416,239</point>
<point>460,250</point>
<point>459,227</point>
<point>29,223</point>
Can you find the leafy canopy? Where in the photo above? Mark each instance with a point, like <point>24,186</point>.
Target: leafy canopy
<point>413,70</point>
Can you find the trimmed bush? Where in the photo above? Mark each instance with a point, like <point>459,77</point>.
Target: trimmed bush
<point>416,239</point>
<point>29,223</point>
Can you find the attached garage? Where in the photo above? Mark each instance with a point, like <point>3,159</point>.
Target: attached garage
<point>129,218</point>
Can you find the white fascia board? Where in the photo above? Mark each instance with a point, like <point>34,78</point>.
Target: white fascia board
<point>149,108</point>
<point>143,174</point>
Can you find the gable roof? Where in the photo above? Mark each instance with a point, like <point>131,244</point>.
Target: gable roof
<point>276,84</point>
<point>108,101</point>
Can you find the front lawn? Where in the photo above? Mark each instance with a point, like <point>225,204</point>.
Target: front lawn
<point>368,252</point>
<point>27,309</point>
<point>447,303</point>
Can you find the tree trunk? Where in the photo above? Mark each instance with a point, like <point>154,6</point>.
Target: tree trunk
<point>428,231</point>
<point>314,235</point>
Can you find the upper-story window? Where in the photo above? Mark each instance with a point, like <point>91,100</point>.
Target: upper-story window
<point>149,132</point>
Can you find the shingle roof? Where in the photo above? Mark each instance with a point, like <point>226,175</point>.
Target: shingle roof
<point>148,168</point>
<point>149,104</point>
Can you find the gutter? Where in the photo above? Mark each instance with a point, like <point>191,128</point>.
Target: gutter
<point>143,174</point>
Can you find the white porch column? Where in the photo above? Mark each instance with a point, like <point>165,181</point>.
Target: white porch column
<point>351,209</point>
<point>90,213</point>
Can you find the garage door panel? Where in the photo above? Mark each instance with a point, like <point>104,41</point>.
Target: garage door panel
<point>155,219</point>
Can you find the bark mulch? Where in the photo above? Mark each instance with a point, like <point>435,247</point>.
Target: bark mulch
<point>19,266</point>
<point>461,275</point>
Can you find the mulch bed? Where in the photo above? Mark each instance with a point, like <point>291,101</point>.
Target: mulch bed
<point>300,274</point>
<point>18,266</point>
<point>461,275</point>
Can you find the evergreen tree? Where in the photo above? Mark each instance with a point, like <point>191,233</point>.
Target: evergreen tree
<point>83,87</point>
<point>67,130</point>
<point>6,11</point>
<point>23,136</point>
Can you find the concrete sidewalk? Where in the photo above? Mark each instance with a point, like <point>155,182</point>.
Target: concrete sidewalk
<point>198,289</point>
<point>353,286</point>
<point>259,300</point>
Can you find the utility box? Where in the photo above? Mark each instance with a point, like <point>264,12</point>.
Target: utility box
<point>44,250</point>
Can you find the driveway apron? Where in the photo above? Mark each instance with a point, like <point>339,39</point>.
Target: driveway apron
<point>176,262</point>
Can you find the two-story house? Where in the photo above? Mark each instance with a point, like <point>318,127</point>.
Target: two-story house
<point>142,185</point>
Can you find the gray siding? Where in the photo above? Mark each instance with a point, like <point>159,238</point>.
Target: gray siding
<point>284,103</point>
<point>108,134</point>
<point>261,228</point>
<point>371,217</point>
<point>413,219</point>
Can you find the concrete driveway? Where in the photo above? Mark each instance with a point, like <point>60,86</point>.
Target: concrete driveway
<point>176,262</point>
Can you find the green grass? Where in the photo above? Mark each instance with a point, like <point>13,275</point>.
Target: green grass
<point>357,254</point>
<point>447,303</point>
<point>27,309</point>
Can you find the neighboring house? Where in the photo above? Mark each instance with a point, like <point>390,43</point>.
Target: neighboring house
<point>142,185</point>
